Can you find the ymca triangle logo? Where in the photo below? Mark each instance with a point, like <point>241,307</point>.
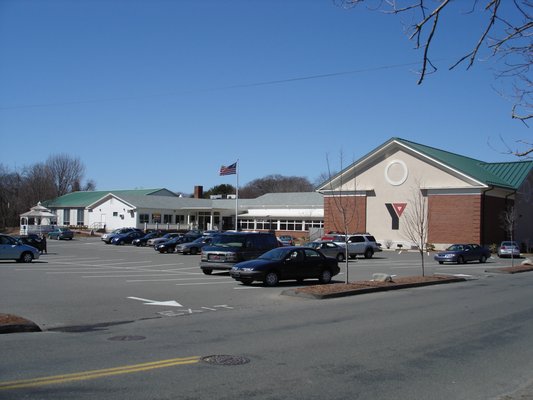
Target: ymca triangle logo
<point>399,208</point>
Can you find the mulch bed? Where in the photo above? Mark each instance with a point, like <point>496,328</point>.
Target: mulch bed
<point>12,323</point>
<point>513,270</point>
<point>361,287</point>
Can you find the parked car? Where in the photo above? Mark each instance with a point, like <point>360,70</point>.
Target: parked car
<point>195,246</point>
<point>462,253</point>
<point>509,249</point>
<point>13,249</point>
<point>126,238</point>
<point>358,244</point>
<point>286,240</point>
<point>286,263</point>
<point>107,237</point>
<point>169,246</point>
<point>33,240</point>
<point>167,236</point>
<point>143,240</point>
<point>229,248</point>
<point>61,233</point>
<point>329,249</point>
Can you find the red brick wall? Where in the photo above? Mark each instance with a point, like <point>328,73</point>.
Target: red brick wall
<point>454,219</point>
<point>355,212</point>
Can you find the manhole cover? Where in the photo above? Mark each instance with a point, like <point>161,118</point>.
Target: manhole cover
<point>225,360</point>
<point>126,338</point>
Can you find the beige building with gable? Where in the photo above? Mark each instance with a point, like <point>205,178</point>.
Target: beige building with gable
<point>465,197</point>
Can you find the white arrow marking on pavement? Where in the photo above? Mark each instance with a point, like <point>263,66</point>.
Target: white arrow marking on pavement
<point>169,303</point>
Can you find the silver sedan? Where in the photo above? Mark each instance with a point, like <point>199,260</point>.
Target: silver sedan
<point>329,249</point>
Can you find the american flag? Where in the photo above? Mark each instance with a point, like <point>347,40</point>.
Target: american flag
<point>229,170</point>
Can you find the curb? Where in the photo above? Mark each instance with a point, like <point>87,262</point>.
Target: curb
<point>10,323</point>
<point>357,291</point>
<point>509,270</point>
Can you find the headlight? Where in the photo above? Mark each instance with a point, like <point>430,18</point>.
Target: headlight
<point>449,255</point>
<point>247,269</point>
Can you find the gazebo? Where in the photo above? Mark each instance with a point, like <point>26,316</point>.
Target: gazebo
<point>38,220</point>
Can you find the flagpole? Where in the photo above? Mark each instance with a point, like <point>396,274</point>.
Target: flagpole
<point>237,199</point>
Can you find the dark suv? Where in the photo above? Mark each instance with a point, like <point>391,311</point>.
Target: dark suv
<point>229,248</point>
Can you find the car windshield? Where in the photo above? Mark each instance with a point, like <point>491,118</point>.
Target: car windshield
<point>509,244</point>
<point>229,241</point>
<point>455,247</point>
<point>276,254</point>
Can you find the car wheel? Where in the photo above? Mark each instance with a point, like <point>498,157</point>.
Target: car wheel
<point>325,277</point>
<point>369,253</point>
<point>441,262</point>
<point>340,257</point>
<point>207,271</point>
<point>26,258</point>
<point>193,251</point>
<point>460,260</point>
<point>271,279</point>
<point>483,259</point>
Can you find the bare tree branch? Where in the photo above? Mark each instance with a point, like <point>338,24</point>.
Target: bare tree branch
<point>507,34</point>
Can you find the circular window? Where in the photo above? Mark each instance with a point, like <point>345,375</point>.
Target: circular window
<point>396,172</point>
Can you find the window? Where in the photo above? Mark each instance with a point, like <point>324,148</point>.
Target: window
<point>180,219</point>
<point>115,213</point>
<point>80,217</point>
<point>313,255</point>
<point>144,218</point>
<point>167,218</point>
<point>66,216</point>
<point>156,218</point>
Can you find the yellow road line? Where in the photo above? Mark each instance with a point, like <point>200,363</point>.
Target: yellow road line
<point>99,373</point>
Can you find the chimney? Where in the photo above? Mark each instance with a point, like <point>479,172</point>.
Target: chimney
<point>198,192</point>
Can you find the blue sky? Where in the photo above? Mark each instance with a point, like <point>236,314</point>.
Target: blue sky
<point>161,93</point>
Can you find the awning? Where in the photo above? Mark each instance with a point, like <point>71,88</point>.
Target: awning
<point>284,213</point>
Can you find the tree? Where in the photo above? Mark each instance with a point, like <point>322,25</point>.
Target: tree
<point>416,223</point>
<point>66,173</point>
<point>38,182</point>
<point>506,37</point>
<point>275,184</point>
<point>344,217</point>
<point>10,188</point>
<point>223,189</point>
<point>508,219</point>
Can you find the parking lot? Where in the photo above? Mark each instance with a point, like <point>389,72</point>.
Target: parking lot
<point>119,319</point>
<point>85,282</point>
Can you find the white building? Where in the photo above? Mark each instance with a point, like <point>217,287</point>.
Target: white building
<point>295,213</point>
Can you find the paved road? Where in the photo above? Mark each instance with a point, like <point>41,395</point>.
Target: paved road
<point>471,340</point>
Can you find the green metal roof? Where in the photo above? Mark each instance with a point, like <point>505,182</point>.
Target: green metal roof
<point>83,199</point>
<point>504,174</point>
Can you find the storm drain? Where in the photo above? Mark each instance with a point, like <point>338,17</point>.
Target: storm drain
<point>225,360</point>
<point>126,338</point>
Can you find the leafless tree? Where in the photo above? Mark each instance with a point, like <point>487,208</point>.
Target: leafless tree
<point>416,221</point>
<point>66,172</point>
<point>223,189</point>
<point>19,191</point>
<point>10,189</point>
<point>508,219</point>
<point>275,184</point>
<point>522,148</point>
<point>38,184</point>
<point>506,36</point>
<point>345,216</point>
